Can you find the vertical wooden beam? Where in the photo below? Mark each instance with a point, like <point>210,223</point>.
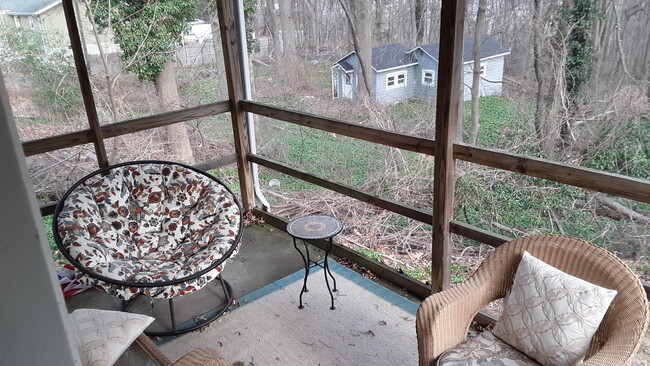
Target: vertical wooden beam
<point>84,82</point>
<point>450,65</point>
<point>231,45</point>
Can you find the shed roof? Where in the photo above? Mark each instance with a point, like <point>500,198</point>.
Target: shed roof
<point>489,47</point>
<point>27,7</point>
<point>346,66</point>
<point>396,55</point>
<point>392,55</point>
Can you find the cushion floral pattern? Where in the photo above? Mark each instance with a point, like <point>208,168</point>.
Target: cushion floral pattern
<point>484,349</point>
<point>148,223</point>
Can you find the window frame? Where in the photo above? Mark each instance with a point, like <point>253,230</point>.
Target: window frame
<point>396,79</point>
<point>433,77</point>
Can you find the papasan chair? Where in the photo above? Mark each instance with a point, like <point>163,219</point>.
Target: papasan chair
<point>154,228</point>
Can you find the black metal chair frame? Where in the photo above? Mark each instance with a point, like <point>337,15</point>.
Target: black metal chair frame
<point>227,288</point>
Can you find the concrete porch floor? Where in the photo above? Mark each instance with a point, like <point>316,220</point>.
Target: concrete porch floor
<point>266,255</point>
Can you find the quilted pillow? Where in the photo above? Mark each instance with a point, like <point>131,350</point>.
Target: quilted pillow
<point>102,336</point>
<point>550,315</point>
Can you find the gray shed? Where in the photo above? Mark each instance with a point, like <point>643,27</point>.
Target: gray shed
<point>400,73</point>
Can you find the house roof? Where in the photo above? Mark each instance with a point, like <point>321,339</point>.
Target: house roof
<point>383,57</point>
<point>346,66</point>
<point>390,56</point>
<point>489,47</point>
<point>27,7</point>
<point>396,55</point>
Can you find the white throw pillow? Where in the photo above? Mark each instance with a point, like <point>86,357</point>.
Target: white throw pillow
<point>102,336</point>
<point>550,315</point>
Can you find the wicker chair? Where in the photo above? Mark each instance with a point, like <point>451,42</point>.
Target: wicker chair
<point>443,319</point>
<point>151,228</point>
<point>144,351</point>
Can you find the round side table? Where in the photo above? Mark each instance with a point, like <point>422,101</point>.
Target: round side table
<point>315,227</point>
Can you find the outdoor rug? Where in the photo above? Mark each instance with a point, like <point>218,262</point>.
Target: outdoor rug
<point>370,326</point>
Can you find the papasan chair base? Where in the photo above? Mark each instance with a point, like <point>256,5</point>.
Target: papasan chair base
<point>155,230</point>
<point>173,328</point>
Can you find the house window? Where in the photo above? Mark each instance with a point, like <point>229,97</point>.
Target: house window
<point>483,70</point>
<point>428,77</point>
<point>348,79</point>
<point>396,80</point>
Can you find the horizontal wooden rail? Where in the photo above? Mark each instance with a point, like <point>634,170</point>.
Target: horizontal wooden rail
<point>212,164</point>
<point>217,163</point>
<point>615,184</point>
<point>47,209</point>
<point>370,134</point>
<point>411,212</point>
<point>48,144</point>
<point>480,235</point>
<point>463,229</point>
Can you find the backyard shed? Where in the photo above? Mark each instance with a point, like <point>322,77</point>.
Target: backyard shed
<point>400,74</point>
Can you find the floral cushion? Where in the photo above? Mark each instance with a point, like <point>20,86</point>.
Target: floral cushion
<point>484,349</point>
<point>148,223</point>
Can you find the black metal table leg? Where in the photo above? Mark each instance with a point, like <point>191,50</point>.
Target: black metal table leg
<point>327,253</point>
<point>326,271</point>
<point>306,262</point>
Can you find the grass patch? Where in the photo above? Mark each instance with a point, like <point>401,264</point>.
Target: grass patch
<point>370,254</point>
<point>47,227</point>
<point>458,273</point>
<point>202,91</point>
<point>503,124</point>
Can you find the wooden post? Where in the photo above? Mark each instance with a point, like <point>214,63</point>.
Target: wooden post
<point>84,82</point>
<point>231,47</point>
<point>452,18</point>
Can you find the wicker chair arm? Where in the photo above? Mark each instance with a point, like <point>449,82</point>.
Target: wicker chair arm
<point>202,357</point>
<point>443,319</point>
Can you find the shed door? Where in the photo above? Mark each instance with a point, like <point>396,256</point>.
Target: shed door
<point>346,85</point>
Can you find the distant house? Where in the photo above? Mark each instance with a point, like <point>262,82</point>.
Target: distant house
<point>400,73</point>
<point>34,14</point>
<point>48,15</point>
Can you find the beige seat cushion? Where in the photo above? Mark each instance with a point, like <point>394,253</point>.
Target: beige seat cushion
<point>484,349</point>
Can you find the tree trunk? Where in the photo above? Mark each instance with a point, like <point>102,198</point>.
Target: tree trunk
<point>177,138</point>
<point>357,13</point>
<point>272,22</point>
<point>378,36</point>
<point>218,54</point>
<point>545,143</point>
<point>434,22</point>
<point>288,32</point>
<point>108,77</point>
<point>419,8</point>
<point>476,75</point>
